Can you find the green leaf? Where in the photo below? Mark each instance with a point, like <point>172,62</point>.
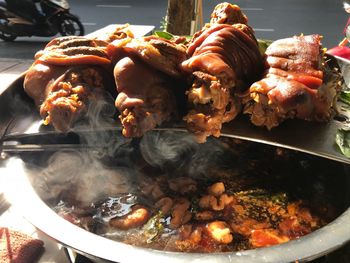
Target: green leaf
<point>342,139</point>
<point>263,45</point>
<point>154,227</point>
<point>345,96</point>
<point>164,34</point>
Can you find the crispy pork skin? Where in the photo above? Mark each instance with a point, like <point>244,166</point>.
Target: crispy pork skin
<point>297,83</point>
<point>226,13</point>
<point>73,50</point>
<point>159,53</point>
<point>65,76</point>
<point>119,32</point>
<point>224,60</point>
<point>144,99</point>
<point>69,96</point>
<point>38,77</point>
<point>147,75</point>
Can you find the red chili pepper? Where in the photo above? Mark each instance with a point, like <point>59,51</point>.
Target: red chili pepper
<point>340,51</point>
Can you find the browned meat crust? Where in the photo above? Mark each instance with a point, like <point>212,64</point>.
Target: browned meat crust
<point>226,13</point>
<point>74,50</point>
<point>146,74</point>
<point>297,84</point>
<point>224,60</point>
<point>120,32</point>
<point>144,101</point>
<point>66,75</point>
<point>69,96</point>
<point>158,53</point>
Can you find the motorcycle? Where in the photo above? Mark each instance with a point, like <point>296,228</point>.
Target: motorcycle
<point>57,17</point>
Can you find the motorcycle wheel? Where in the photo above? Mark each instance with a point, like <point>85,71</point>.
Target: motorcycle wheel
<point>8,37</point>
<point>71,26</point>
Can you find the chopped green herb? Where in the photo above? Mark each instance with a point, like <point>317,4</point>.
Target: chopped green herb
<point>345,96</point>
<point>342,139</point>
<point>279,198</point>
<point>263,45</point>
<point>154,227</point>
<point>164,35</point>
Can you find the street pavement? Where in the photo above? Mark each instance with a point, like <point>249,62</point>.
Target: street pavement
<point>271,19</point>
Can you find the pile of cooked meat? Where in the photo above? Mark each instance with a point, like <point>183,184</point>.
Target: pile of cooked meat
<point>205,81</point>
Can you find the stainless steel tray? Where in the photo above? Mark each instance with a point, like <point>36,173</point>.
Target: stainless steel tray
<point>20,120</point>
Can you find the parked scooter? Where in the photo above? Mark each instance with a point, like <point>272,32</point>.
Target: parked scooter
<point>57,17</point>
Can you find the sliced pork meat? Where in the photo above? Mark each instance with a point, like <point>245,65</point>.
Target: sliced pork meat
<point>297,83</point>
<point>224,61</point>
<point>65,77</point>
<point>148,80</point>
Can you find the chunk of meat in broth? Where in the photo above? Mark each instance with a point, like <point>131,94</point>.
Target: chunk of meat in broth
<point>137,217</point>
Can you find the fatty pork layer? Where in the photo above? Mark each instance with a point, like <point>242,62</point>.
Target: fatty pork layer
<point>65,77</point>
<point>224,60</point>
<point>144,99</point>
<point>148,80</point>
<point>297,83</point>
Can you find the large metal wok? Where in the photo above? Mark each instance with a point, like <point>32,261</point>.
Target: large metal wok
<point>21,132</point>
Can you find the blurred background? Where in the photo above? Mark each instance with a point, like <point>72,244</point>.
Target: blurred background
<point>271,19</point>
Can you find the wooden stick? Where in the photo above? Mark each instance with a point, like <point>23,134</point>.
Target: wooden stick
<point>200,11</point>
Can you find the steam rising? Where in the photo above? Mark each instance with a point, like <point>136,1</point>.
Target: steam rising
<point>101,111</point>
<point>82,174</point>
<point>160,149</point>
<point>89,174</point>
<point>99,128</point>
<point>108,164</point>
<point>176,152</point>
<point>92,174</point>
